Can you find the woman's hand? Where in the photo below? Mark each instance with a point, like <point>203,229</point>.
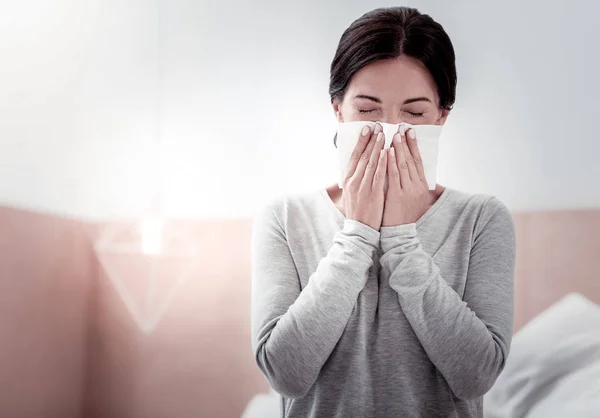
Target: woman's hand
<point>407,197</point>
<point>363,186</point>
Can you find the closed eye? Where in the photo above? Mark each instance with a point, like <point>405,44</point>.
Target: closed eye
<point>416,115</point>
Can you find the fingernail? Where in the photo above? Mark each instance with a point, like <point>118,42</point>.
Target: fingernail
<point>397,137</point>
<point>378,128</point>
<point>365,130</point>
<point>379,136</point>
<point>411,134</point>
<point>381,153</point>
<point>392,151</point>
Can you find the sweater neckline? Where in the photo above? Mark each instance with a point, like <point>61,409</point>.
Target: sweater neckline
<point>424,218</point>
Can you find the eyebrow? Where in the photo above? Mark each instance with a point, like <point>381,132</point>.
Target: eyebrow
<point>371,98</point>
<point>378,100</point>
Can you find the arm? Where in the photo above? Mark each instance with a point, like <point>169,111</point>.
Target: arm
<point>294,331</point>
<point>467,340</point>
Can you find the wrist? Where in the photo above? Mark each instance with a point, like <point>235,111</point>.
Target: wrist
<point>361,229</point>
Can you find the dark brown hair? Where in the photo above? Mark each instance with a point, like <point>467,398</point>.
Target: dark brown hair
<point>387,33</point>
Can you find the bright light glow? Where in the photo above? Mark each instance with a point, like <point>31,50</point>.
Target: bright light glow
<point>152,235</point>
<point>158,243</point>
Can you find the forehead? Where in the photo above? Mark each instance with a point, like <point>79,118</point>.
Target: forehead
<point>394,79</point>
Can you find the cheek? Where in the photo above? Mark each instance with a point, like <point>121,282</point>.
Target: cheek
<point>357,117</point>
<point>348,114</point>
<point>434,118</point>
<point>431,120</point>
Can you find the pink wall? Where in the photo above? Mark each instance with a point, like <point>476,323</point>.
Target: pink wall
<point>198,361</point>
<point>557,253</point>
<point>45,280</point>
<point>69,346</point>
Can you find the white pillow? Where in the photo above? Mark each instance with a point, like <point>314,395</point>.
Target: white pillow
<point>571,316</point>
<point>264,405</point>
<point>567,383</point>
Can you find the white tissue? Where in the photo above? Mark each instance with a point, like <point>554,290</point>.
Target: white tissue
<point>427,140</point>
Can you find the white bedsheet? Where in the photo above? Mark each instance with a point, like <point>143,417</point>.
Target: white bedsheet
<point>552,378</point>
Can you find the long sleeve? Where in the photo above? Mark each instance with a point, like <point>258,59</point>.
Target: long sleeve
<point>294,331</point>
<point>467,339</point>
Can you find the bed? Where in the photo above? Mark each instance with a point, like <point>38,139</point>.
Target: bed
<point>553,369</point>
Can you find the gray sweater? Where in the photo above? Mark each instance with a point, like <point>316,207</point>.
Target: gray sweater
<point>411,321</point>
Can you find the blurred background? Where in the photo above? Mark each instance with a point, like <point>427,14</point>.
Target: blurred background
<point>138,138</point>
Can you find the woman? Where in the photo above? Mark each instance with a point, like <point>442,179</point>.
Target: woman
<point>375,303</point>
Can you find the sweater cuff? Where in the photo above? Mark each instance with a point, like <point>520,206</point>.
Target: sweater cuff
<point>368,238</point>
<point>393,231</point>
<point>398,236</point>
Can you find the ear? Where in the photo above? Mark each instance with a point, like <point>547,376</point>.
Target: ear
<point>443,116</point>
<point>337,110</point>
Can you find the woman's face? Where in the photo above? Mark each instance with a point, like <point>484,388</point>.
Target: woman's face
<point>393,91</point>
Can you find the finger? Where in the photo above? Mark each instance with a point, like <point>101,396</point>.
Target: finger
<point>361,145</point>
<point>374,159</point>
<point>401,160</point>
<point>365,157</point>
<point>416,154</point>
<point>410,161</point>
<point>379,178</point>
<point>392,170</point>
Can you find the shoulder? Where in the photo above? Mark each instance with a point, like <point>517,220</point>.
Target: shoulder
<point>487,212</point>
<point>483,205</point>
<point>474,200</point>
<point>282,210</point>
